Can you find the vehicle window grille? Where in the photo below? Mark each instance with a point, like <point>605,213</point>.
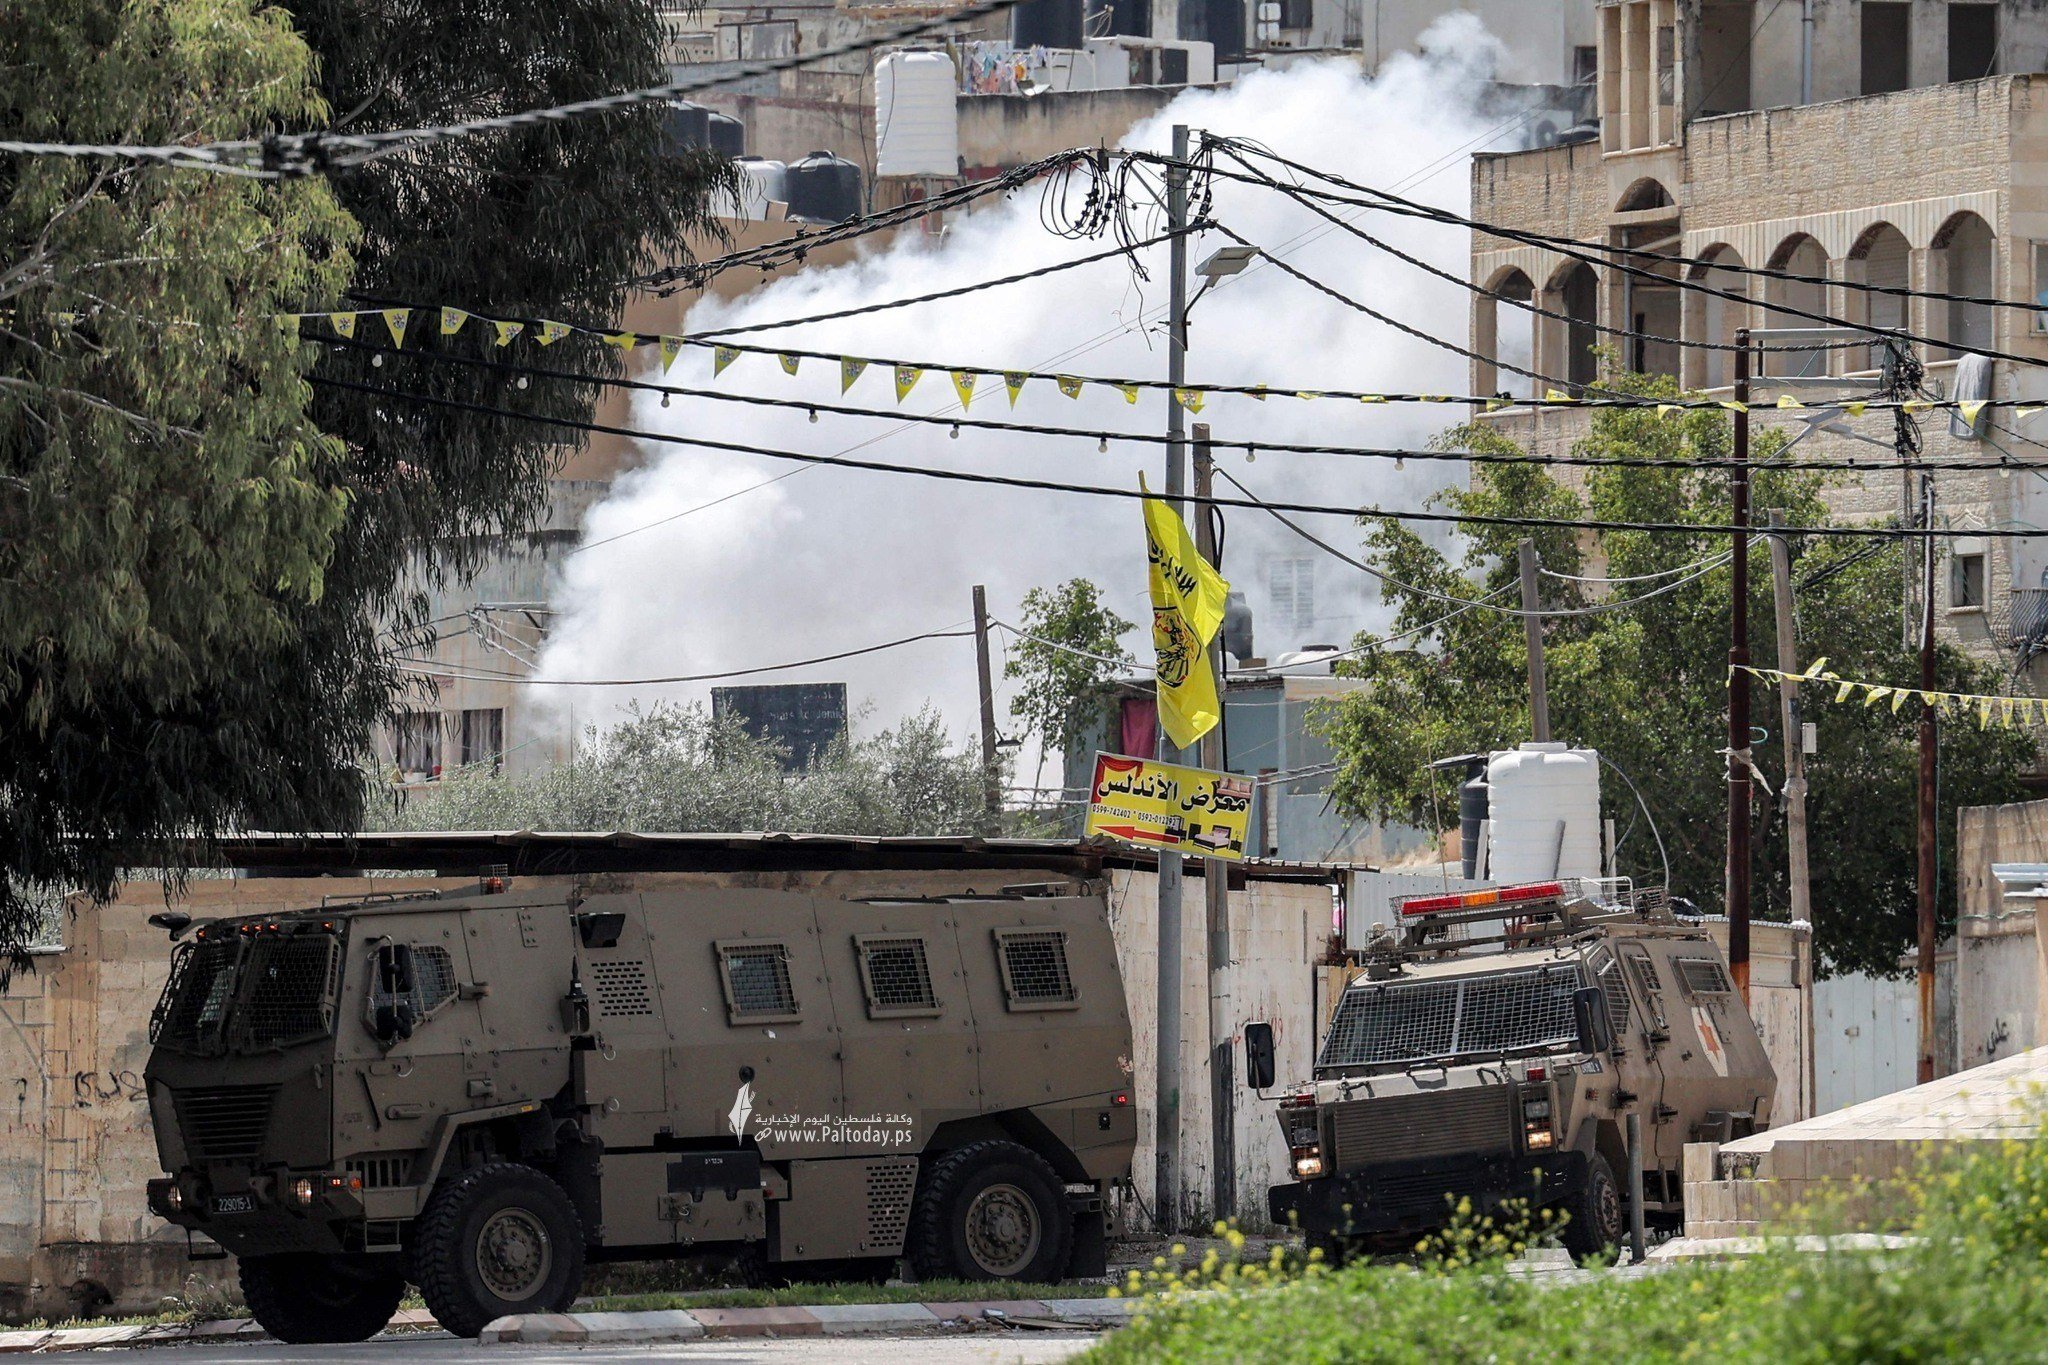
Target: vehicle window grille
<point>1035,971</point>
<point>757,981</point>
<point>193,1011</point>
<point>1646,976</point>
<point>621,989</point>
<point>1616,991</point>
<point>290,991</point>
<point>433,983</point>
<point>380,1172</point>
<point>890,1186</point>
<point>897,976</point>
<point>1432,1021</point>
<point>1702,976</point>
<point>224,1123</point>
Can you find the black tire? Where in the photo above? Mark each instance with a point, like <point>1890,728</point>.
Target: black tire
<point>1598,1214</point>
<point>496,1240</point>
<point>761,1273</point>
<point>1336,1250</point>
<point>991,1211</point>
<point>304,1299</point>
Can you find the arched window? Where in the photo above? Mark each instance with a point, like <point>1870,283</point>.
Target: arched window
<point>1882,256</point>
<point>1968,267</point>
<point>1644,194</point>
<point>1575,292</point>
<point>1718,318</point>
<point>1799,255</point>
<point>1514,334</point>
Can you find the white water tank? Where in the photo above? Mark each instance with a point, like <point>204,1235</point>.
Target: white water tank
<point>916,130</point>
<point>762,182</point>
<point>1543,813</point>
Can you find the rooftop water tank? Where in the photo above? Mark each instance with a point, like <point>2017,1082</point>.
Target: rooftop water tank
<point>1046,23</point>
<point>916,131</point>
<point>687,126</point>
<point>762,182</point>
<point>726,135</point>
<point>824,188</point>
<point>1544,808</point>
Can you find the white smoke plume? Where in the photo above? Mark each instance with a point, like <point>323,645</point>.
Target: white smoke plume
<point>834,559</point>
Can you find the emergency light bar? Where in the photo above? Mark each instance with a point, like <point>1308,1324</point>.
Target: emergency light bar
<point>1472,900</point>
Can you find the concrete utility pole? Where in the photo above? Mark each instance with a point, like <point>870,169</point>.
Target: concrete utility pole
<point>1788,718</point>
<point>1532,631</point>
<point>991,779</point>
<point>1738,681</point>
<point>1216,893</point>
<point>1924,963</point>
<point>1166,1109</point>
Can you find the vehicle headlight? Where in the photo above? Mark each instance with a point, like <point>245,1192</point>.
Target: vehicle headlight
<point>1308,1162</point>
<point>1541,1138</point>
<point>302,1190</point>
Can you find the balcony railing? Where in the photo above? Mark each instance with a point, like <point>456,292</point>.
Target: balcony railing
<point>2030,619</point>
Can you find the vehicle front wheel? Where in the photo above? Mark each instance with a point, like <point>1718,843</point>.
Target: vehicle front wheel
<point>1598,1221</point>
<point>305,1299</point>
<point>991,1211</point>
<point>496,1240</point>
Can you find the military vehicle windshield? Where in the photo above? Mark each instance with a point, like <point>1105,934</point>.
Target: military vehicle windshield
<point>249,990</point>
<point>1395,1023</point>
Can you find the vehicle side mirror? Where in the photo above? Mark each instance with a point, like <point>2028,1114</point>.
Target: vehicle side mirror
<point>172,922</point>
<point>1589,1012</point>
<point>1258,1056</point>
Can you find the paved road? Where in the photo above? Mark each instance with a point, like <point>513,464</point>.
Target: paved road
<point>930,1348</point>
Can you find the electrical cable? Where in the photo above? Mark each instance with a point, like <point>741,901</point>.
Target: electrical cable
<point>1103,435</point>
<point>1130,495</point>
<point>492,675</point>
<point>1664,857</point>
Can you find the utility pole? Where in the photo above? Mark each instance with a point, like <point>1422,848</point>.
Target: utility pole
<point>1532,631</point>
<point>1924,963</point>
<point>991,778</point>
<point>1788,718</point>
<point>1738,681</point>
<point>1166,1103</point>
<point>1216,891</point>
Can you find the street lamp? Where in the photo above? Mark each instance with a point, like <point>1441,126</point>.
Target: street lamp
<point>1221,265</point>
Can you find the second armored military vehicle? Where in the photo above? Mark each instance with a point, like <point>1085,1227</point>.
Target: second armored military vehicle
<point>478,1092</point>
<point>1492,1052</point>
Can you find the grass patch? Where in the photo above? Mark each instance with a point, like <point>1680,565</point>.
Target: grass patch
<point>804,1295</point>
<point>1971,1286</point>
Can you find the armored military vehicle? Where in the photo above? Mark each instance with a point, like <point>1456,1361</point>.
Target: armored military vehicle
<point>479,1092</point>
<point>1492,1051</point>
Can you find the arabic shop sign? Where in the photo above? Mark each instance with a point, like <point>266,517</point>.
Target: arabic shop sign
<point>1160,806</point>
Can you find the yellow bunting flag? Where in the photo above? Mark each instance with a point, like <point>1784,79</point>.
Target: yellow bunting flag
<point>1305,395</point>
<point>1734,406</point>
<point>1916,405</point>
<point>344,323</point>
<point>625,341</point>
<point>906,380</point>
<point>507,330</point>
<point>722,356</point>
<point>1874,695</point>
<point>1786,400</point>
<point>849,370</point>
<point>1188,598</point>
<point>789,363</point>
<point>1899,695</point>
<point>452,320</point>
<point>1669,409</point>
<point>1191,399</point>
<point>1556,396</point>
<point>671,347</point>
<point>2022,414</point>
<point>551,332</point>
<point>1260,393</point>
<point>1129,391</point>
<point>1069,385</point>
<point>1855,409</point>
<point>1381,398</point>
<point>1014,382</point>
<point>395,320</point>
<point>1970,411</point>
<point>963,384</point>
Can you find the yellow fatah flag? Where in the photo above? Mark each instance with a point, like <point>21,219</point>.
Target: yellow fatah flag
<point>1191,399</point>
<point>670,348</point>
<point>1069,385</point>
<point>1187,610</point>
<point>963,384</point>
<point>1014,382</point>
<point>625,341</point>
<point>552,332</point>
<point>452,320</point>
<point>789,363</point>
<point>1786,400</point>
<point>1129,391</point>
<point>906,380</point>
<point>344,323</point>
<point>849,370</point>
<point>722,356</point>
<point>395,319</point>
<point>507,330</point>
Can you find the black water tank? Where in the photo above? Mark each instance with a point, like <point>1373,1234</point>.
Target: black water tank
<point>1472,809</point>
<point>1226,29</point>
<point>1046,23</point>
<point>824,188</point>
<point>687,125</point>
<point>728,136</point>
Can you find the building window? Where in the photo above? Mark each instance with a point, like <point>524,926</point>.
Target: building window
<point>1972,42</point>
<point>1887,46</point>
<point>1966,581</point>
<point>1585,65</point>
<point>416,744</point>
<point>483,738</point>
<point>1291,582</point>
<point>2041,285</point>
<point>1296,14</point>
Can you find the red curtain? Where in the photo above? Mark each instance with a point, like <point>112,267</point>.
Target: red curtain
<point>1140,727</point>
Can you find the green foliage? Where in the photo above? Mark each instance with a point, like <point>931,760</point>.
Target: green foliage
<point>1969,1286</point>
<point>1647,685</point>
<point>1059,693</point>
<point>204,594</point>
<point>678,769</point>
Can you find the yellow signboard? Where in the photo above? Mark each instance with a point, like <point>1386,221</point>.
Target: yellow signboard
<point>1160,806</point>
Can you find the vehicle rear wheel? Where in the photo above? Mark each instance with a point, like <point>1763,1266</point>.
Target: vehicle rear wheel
<point>991,1211</point>
<point>499,1239</point>
<point>1598,1220</point>
<point>303,1298</point>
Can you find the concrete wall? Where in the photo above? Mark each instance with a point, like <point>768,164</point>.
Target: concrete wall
<point>999,131</point>
<point>1999,967</point>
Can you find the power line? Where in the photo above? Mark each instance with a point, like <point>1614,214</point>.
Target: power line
<point>1132,495</point>
<point>279,155</point>
<point>473,674</point>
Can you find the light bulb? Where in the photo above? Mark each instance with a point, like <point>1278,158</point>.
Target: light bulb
<point>1400,463</point>
<point>664,400</point>
<point>955,432</point>
<point>521,382</point>
<point>1251,454</point>
<point>1102,446</point>
<point>378,361</point>
<point>2005,471</point>
<point>814,416</point>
